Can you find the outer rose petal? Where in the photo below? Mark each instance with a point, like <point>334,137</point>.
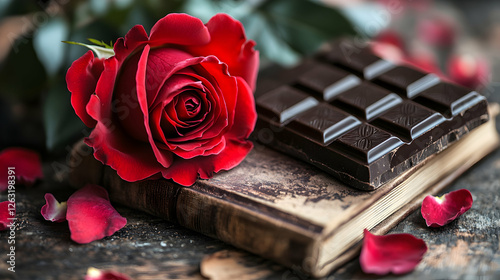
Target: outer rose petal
<point>133,160</point>
<point>82,79</point>
<point>229,44</point>
<point>5,214</point>
<point>96,274</point>
<point>53,210</point>
<point>185,171</point>
<point>396,253</point>
<point>91,216</point>
<point>439,211</point>
<point>180,29</point>
<point>245,115</point>
<point>134,38</point>
<point>28,167</point>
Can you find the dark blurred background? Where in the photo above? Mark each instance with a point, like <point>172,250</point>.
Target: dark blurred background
<point>460,40</point>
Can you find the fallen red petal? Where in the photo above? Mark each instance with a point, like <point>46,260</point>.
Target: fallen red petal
<point>91,216</point>
<point>396,253</point>
<point>439,211</point>
<point>392,38</point>
<point>7,212</point>
<point>96,274</point>
<point>24,163</point>
<point>437,31</point>
<point>53,210</point>
<point>468,70</point>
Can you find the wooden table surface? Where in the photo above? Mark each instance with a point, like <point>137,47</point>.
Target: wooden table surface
<point>151,248</point>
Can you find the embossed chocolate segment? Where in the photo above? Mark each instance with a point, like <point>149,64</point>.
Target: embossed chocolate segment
<point>369,142</point>
<point>328,81</point>
<point>284,103</point>
<point>357,59</point>
<point>449,99</point>
<point>367,100</point>
<point>407,81</point>
<point>324,123</point>
<point>409,119</point>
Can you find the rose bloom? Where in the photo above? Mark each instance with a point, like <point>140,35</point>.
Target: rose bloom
<point>177,103</point>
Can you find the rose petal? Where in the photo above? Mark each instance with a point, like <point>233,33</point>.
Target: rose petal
<point>245,115</point>
<point>180,29</point>
<point>185,171</point>
<point>28,167</point>
<point>396,253</point>
<point>391,37</point>
<point>53,210</point>
<point>162,156</point>
<point>82,79</point>
<point>133,40</point>
<point>436,31</point>
<point>96,274</point>
<point>468,70</point>
<point>131,159</point>
<point>439,211</point>
<point>161,64</point>
<point>91,216</point>
<point>388,52</point>
<point>6,213</point>
<point>426,61</point>
<point>229,44</point>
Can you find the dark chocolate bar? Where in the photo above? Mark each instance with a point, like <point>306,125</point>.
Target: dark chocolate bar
<point>363,119</point>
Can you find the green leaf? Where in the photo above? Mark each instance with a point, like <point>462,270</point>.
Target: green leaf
<point>271,46</point>
<point>304,25</point>
<point>62,125</point>
<point>101,43</point>
<point>101,52</point>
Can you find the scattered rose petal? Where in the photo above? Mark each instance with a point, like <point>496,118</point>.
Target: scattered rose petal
<point>27,165</point>
<point>53,210</point>
<point>391,37</point>
<point>91,216</point>
<point>390,46</point>
<point>400,7</point>
<point>436,31</point>
<point>468,70</point>
<point>5,214</point>
<point>96,274</point>
<point>439,211</point>
<point>388,52</point>
<point>396,253</point>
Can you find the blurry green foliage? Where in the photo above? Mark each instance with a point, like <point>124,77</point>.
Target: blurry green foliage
<point>284,30</point>
<point>62,125</point>
<point>22,75</point>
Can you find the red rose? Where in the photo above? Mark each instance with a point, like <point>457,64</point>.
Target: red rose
<point>177,103</point>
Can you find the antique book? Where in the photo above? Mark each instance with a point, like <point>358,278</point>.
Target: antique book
<point>284,209</point>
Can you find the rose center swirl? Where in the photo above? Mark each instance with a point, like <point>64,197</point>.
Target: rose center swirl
<point>187,105</point>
